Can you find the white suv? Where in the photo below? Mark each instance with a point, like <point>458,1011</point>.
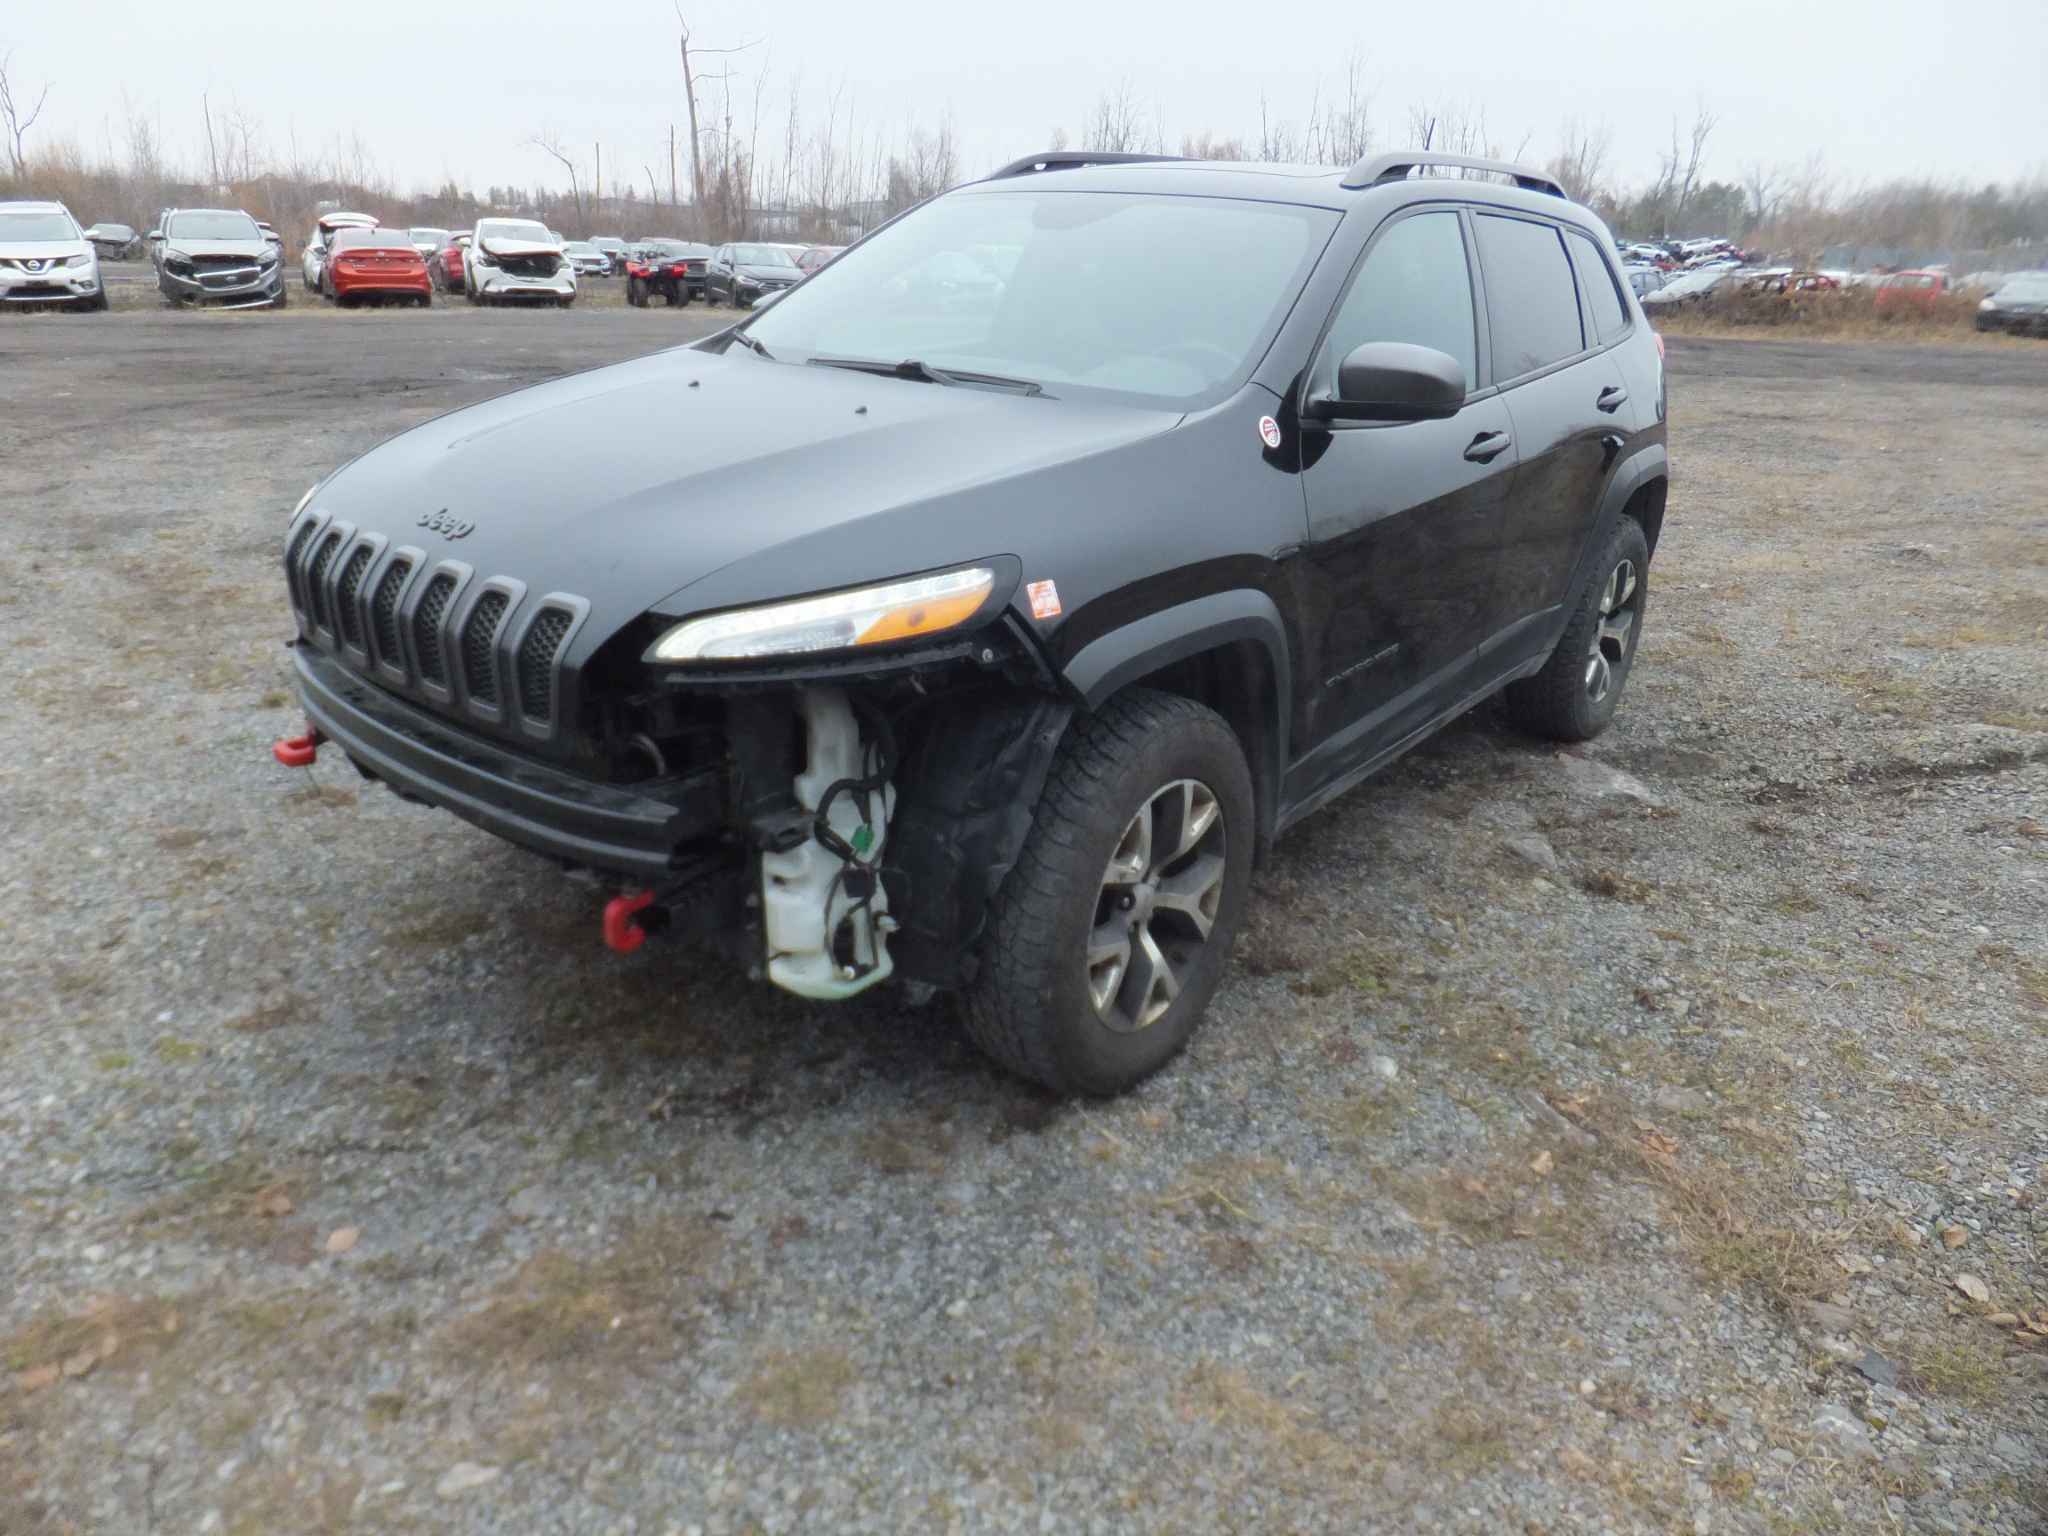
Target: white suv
<point>512,259</point>
<point>46,259</point>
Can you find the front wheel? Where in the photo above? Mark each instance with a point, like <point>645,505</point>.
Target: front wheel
<point>636,292</point>
<point>1111,933</point>
<point>1575,695</point>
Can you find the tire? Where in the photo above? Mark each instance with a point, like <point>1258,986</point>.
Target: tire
<point>565,303</point>
<point>283,297</point>
<point>97,304</point>
<point>636,292</point>
<point>1033,1004</point>
<point>1575,695</point>
<point>427,298</point>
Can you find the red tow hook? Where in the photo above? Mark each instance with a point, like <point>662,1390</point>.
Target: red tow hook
<point>298,751</point>
<point>620,931</point>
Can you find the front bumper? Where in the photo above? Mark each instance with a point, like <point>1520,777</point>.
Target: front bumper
<point>231,287</point>
<point>2017,322</point>
<point>60,285</point>
<point>510,285</point>
<point>628,830</point>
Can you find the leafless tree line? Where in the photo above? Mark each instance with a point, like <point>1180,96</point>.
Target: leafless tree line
<point>754,153</point>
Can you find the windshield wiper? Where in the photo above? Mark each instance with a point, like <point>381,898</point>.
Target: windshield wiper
<point>759,349</point>
<point>924,373</point>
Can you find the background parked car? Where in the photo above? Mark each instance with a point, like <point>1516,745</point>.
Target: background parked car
<point>313,260</point>
<point>516,259</point>
<point>1643,279</point>
<point>445,265</point>
<point>426,239</point>
<point>46,259</point>
<point>1687,288</point>
<point>614,248</point>
<point>2019,304</point>
<point>1918,289</point>
<point>217,256</point>
<point>587,260</point>
<point>740,274</point>
<point>113,241</point>
<point>813,257</point>
<point>376,264</point>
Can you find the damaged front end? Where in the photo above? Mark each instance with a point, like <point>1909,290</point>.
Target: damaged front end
<point>828,823</point>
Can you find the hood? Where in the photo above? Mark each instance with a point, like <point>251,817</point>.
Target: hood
<point>42,250</point>
<point>198,245</point>
<point>787,274</point>
<point>630,484</point>
<point>499,246</point>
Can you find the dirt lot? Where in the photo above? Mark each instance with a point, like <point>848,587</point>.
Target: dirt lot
<point>1644,1139</point>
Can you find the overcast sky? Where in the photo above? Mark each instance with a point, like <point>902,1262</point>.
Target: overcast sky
<point>1881,87</point>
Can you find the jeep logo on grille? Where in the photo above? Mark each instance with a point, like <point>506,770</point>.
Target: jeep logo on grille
<point>448,527</point>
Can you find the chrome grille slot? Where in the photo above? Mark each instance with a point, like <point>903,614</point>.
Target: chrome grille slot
<point>537,654</point>
<point>384,612</point>
<point>426,629</point>
<point>479,671</point>
<point>346,592</point>
<point>316,580</point>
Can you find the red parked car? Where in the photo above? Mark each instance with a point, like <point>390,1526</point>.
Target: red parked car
<point>1918,289</point>
<point>375,263</point>
<point>445,265</point>
<point>815,257</point>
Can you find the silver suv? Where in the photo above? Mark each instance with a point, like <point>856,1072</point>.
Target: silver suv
<point>46,259</point>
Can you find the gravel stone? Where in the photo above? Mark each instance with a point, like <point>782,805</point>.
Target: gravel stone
<point>667,1251</point>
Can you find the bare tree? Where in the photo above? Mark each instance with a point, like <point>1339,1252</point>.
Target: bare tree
<point>19,119</point>
<point>691,80</point>
<point>550,143</point>
<point>1764,188</point>
<point>1113,126</point>
<point>1580,164</point>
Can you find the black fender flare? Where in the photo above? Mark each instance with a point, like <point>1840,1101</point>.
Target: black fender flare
<point>1167,635</point>
<point>1647,463</point>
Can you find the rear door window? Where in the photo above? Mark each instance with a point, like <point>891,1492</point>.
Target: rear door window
<point>1415,287</point>
<point>1532,304</point>
<point>1610,315</point>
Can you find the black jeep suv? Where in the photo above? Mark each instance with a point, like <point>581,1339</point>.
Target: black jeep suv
<point>984,634</point>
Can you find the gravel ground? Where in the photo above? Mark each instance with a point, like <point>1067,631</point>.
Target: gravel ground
<point>1644,1138</point>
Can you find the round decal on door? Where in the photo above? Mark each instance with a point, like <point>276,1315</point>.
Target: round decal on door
<point>1269,432</point>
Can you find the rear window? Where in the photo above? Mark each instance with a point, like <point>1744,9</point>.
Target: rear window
<point>1532,304</point>
<point>1610,315</point>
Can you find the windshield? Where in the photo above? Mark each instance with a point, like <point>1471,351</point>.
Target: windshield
<point>428,236</point>
<point>37,226</point>
<point>762,256</point>
<point>514,229</point>
<point>581,248</point>
<point>212,226</point>
<point>2030,287</point>
<point>1164,298</point>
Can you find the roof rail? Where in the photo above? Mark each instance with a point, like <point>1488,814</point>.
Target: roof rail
<point>1072,159</point>
<point>1374,169</point>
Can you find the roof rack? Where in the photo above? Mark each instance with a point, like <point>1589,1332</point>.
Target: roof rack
<point>1072,159</point>
<point>1374,169</point>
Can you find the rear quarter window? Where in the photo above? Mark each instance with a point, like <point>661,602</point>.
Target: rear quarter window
<point>1610,315</point>
<point>1532,304</point>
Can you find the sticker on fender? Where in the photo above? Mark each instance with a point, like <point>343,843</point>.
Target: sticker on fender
<point>1045,599</point>
<point>1269,432</point>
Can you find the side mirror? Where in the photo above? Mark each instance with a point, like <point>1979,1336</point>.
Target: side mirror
<point>154,236</point>
<point>1394,381</point>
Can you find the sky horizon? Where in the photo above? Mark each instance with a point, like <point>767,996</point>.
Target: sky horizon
<point>1880,90</point>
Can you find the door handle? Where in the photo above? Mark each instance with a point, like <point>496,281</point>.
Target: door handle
<point>1611,398</point>
<point>1488,446</point>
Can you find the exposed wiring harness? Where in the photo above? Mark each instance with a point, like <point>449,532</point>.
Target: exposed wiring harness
<point>878,758</point>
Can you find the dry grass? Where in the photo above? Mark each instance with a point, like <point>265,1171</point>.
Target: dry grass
<point>640,1298</point>
<point>1847,314</point>
<point>799,1388</point>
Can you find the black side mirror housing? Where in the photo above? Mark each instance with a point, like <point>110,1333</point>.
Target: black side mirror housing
<point>1394,381</point>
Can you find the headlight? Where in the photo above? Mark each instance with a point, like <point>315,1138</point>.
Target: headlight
<point>748,282</point>
<point>901,610</point>
<point>1989,304</point>
<point>83,259</point>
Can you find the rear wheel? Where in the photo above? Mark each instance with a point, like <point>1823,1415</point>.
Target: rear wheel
<point>1575,695</point>
<point>636,292</point>
<point>1111,934</point>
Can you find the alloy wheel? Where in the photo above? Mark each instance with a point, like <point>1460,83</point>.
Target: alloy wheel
<point>1158,902</point>
<point>1611,635</point>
